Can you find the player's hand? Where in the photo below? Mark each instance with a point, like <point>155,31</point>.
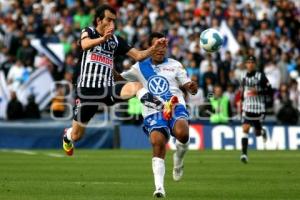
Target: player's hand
<point>160,44</point>
<point>192,87</point>
<point>108,32</point>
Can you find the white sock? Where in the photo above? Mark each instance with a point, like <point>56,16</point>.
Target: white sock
<point>245,135</point>
<point>181,148</point>
<point>141,93</point>
<point>69,135</point>
<point>158,167</point>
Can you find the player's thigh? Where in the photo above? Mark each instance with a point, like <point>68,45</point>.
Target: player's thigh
<point>258,125</point>
<point>247,121</point>
<point>156,122</point>
<point>181,130</point>
<point>158,138</point>
<point>83,111</point>
<point>128,90</point>
<point>179,123</point>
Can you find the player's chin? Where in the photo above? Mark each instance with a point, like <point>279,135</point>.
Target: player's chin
<point>159,57</point>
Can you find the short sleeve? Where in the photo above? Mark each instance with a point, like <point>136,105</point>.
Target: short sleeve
<point>131,74</point>
<point>182,75</point>
<point>89,31</point>
<point>123,46</point>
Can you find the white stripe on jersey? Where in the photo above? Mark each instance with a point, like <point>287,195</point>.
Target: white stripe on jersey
<point>100,77</point>
<point>90,66</point>
<point>85,66</point>
<point>105,76</point>
<point>81,68</point>
<point>116,40</point>
<point>109,77</point>
<point>96,75</point>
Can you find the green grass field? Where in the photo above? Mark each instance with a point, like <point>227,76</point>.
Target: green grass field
<point>120,174</point>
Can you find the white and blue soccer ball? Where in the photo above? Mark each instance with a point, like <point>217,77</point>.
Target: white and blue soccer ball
<point>211,40</point>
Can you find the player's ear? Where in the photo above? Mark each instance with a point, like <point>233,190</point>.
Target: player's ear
<point>98,20</point>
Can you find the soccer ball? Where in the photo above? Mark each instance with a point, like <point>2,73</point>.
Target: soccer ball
<point>211,40</point>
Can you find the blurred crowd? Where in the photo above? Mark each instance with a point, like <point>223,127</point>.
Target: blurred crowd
<point>268,29</point>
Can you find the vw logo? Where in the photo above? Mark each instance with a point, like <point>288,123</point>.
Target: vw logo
<point>158,85</point>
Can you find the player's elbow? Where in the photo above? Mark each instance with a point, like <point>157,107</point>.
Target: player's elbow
<point>85,47</point>
<point>138,57</point>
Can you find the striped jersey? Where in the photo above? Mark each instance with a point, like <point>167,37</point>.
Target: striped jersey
<point>97,63</point>
<point>254,103</point>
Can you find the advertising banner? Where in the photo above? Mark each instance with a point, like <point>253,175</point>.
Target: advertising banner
<point>219,137</point>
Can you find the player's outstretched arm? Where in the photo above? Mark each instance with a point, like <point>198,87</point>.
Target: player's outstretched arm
<point>88,43</point>
<point>138,55</point>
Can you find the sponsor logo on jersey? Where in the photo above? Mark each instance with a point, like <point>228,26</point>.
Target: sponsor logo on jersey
<point>158,85</point>
<point>101,59</point>
<point>168,69</point>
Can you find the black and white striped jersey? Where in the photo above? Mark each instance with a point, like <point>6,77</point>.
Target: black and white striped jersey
<point>97,63</point>
<point>255,103</point>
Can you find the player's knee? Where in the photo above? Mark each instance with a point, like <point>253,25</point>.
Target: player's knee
<point>184,139</point>
<point>136,86</point>
<point>158,143</point>
<point>77,134</point>
<point>182,133</point>
<point>246,128</point>
<point>182,136</point>
<point>158,140</point>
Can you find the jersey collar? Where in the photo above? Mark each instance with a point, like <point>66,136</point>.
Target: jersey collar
<point>164,61</point>
<point>250,74</point>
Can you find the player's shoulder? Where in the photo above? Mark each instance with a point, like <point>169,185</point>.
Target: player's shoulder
<point>174,63</point>
<point>89,29</point>
<point>260,75</point>
<point>243,74</point>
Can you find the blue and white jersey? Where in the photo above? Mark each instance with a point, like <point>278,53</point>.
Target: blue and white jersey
<point>161,80</point>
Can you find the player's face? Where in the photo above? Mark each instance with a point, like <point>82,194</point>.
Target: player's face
<point>160,54</point>
<point>250,65</point>
<point>108,21</point>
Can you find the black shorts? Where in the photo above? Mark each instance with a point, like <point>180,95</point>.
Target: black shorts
<point>254,119</point>
<point>89,100</point>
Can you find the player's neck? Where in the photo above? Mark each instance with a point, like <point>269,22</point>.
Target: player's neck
<point>157,62</point>
<point>251,73</point>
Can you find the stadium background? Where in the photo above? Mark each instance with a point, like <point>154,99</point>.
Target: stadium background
<point>32,163</point>
<point>39,53</point>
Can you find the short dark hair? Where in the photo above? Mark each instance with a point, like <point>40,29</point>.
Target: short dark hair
<point>155,35</point>
<point>250,58</point>
<point>100,12</point>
